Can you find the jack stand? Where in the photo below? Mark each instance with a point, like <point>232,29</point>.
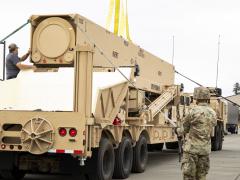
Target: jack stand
<point>82,161</point>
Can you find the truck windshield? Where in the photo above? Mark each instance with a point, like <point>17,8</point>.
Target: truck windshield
<point>42,91</point>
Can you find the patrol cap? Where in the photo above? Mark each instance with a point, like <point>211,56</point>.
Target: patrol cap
<point>12,47</point>
<point>201,93</point>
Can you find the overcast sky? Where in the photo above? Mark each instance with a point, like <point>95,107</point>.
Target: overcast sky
<point>195,25</point>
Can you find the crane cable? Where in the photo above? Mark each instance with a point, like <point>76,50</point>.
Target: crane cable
<point>202,85</point>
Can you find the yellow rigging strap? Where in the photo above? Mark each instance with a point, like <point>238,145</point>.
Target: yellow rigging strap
<point>110,14</point>
<point>121,26</point>
<point>116,17</point>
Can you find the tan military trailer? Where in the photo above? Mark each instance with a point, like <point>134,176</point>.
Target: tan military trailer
<point>94,105</point>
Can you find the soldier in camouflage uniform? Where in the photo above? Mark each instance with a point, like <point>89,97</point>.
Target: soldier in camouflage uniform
<point>196,129</point>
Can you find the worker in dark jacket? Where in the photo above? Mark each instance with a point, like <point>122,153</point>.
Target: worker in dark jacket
<point>13,62</point>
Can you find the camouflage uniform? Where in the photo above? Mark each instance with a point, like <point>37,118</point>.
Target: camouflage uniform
<point>196,128</point>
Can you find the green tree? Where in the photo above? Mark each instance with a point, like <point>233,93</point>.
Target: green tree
<point>236,88</point>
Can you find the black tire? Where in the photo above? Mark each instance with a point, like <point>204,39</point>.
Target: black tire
<point>159,146</point>
<point>105,161</point>
<point>236,129</point>
<point>12,174</point>
<point>140,155</point>
<point>123,159</point>
<point>233,129</point>
<point>216,139</point>
<point>221,135</point>
<point>172,145</point>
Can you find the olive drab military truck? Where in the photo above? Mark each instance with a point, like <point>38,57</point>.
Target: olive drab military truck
<point>94,105</point>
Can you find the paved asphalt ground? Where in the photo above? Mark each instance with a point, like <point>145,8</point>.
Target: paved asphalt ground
<point>225,165</point>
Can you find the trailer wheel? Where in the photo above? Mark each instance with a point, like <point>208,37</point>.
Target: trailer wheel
<point>123,159</point>
<point>14,174</point>
<point>105,161</point>
<point>216,139</point>
<point>172,145</point>
<point>140,155</point>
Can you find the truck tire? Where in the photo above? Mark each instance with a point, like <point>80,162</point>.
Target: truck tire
<point>172,145</point>
<point>216,139</point>
<point>232,129</point>
<point>12,174</point>
<point>105,161</point>
<point>140,155</point>
<point>236,132</point>
<point>123,159</point>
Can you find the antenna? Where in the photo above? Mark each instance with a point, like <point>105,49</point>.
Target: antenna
<point>218,59</point>
<point>173,49</point>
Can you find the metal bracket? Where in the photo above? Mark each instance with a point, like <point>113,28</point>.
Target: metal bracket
<point>82,161</point>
